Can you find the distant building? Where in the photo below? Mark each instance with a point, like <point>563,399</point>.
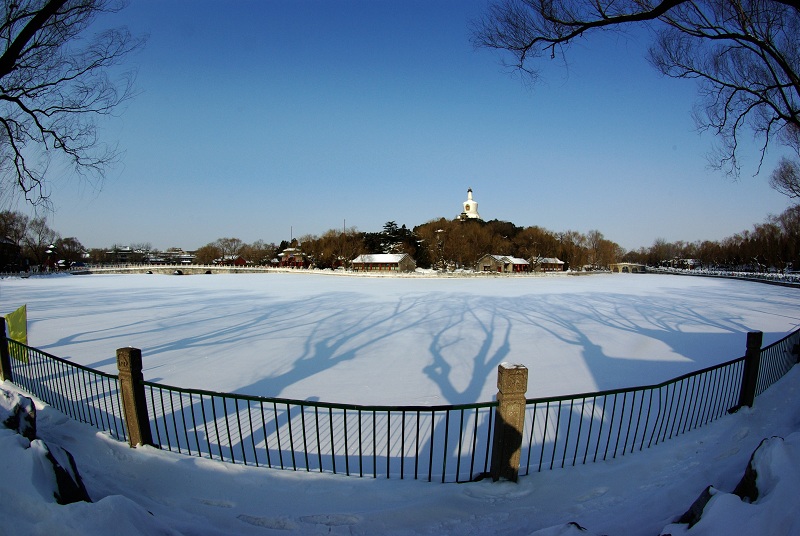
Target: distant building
<point>174,255</point>
<point>384,262</point>
<point>502,264</point>
<point>119,255</point>
<point>292,258</point>
<point>470,208</point>
<point>688,264</point>
<point>185,258</point>
<point>231,260</point>
<point>549,264</point>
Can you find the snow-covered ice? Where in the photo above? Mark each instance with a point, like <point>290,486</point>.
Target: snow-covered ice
<point>396,341</point>
<point>436,341</point>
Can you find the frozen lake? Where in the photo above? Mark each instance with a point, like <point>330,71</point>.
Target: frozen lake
<point>404,340</point>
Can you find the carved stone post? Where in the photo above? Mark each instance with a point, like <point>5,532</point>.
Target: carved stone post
<point>134,403</point>
<point>5,355</point>
<point>512,382</point>
<point>752,361</point>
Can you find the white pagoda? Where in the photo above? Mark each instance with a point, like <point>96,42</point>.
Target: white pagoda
<point>470,208</point>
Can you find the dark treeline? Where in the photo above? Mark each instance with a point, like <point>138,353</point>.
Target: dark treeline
<point>442,243</point>
<point>452,244</point>
<point>772,245</point>
<point>29,242</point>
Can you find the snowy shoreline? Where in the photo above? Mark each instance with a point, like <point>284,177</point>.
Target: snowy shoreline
<point>418,273</point>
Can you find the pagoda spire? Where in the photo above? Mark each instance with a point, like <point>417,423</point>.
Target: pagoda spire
<point>470,208</point>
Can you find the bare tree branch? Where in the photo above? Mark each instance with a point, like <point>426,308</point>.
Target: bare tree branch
<point>786,178</point>
<point>745,54</point>
<point>53,88</point>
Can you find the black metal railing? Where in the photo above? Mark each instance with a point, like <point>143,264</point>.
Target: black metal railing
<point>580,429</point>
<point>82,393</point>
<point>447,443</point>
<point>776,360</point>
<point>441,443</point>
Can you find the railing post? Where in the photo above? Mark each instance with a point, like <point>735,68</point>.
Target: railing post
<point>134,403</point>
<point>752,360</point>
<point>512,382</point>
<point>5,355</point>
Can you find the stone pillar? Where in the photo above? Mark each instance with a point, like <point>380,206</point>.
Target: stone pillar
<point>5,355</point>
<point>752,361</point>
<point>134,403</point>
<point>512,382</point>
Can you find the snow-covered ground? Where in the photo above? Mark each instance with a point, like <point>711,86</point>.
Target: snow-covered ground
<point>427,341</point>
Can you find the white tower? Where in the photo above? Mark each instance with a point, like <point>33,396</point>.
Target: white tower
<point>470,207</point>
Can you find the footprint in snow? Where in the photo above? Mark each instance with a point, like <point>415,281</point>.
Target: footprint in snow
<point>741,434</point>
<point>593,494</point>
<point>275,523</point>
<point>218,503</point>
<point>331,520</point>
<point>56,419</point>
<point>498,491</point>
<point>727,453</point>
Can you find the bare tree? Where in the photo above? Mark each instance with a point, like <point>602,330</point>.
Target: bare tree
<point>351,244</point>
<point>594,243</point>
<point>786,178</point>
<point>259,252</point>
<point>53,87</point>
<point>229,247</point>
<point>14,226</point>
<point>207,254</point>
<point>745,55</point>
<point>572,248</point>
<point>38,239</point>
<point>70,250</point>
<point>140,252</point>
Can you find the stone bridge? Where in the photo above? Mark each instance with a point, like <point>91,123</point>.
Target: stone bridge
<point>174,269</point>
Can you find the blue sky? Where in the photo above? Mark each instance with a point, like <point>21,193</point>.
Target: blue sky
<point>271,119</point>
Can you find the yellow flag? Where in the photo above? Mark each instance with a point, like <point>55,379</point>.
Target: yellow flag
<point>18,330</point>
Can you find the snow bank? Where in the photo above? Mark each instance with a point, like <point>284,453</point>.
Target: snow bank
<point>147,491</point>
